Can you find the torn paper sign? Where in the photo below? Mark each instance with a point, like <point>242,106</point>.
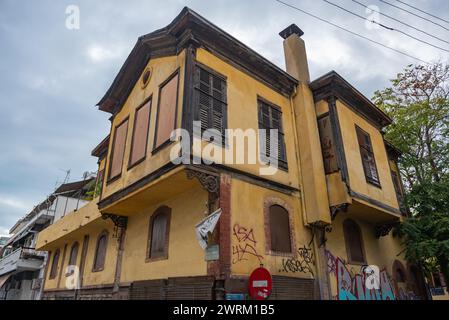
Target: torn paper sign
<point>207,225</point>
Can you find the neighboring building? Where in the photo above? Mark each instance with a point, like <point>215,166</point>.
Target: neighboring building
<point>3,241</point>
<point>21,267</point>
<point>314,224</point>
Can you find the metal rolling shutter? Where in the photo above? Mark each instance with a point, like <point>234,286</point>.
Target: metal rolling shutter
<point>288,288</point>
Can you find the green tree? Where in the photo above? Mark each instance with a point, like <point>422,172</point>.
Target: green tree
<point>418,103</point>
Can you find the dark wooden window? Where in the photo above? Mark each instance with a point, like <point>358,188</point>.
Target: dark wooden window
<point>73,254</point>
<point>368,160</point>
<point>354,242</point>
<point>211,99</point>
<point>118,150</point>
<point>398,189</point>
<point>159,233</point>
<point>140,133</point>
<point>280,229</point>
<point>327,144</point>
<point>166,110</point>
<point>54,264</point>
<point>100,251</point>
<point>270,117</point>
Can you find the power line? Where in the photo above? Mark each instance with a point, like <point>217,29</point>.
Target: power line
<point>384,26</point>
<point>420,10</point>
<point>414,14</point>
<point>351,32</point>
<point>401,22</point>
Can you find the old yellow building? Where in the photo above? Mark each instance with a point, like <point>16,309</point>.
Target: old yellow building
<point>315,222</point>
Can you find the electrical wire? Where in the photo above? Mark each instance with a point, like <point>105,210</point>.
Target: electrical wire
<point>384,26</point>
<point>351,32</point>
<point>402,22</point>
<point>420,10</point>
<point>414,14</point>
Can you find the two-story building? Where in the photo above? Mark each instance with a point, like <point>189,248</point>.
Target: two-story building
<point>21,266</point>
<point>314,210</point>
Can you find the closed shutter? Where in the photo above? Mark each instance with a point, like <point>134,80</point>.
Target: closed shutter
<point>190,288</point>
<point>327,145</point>
<point>100,254</point>
<point>353,238</point>
<point>118,150</point>
<point>270,117</point>
<point>211,99</point>
<point>367,154</point>
<point>280,229</point>
<point>159,224</point>
<point>54,265</point>
<point>140,133</point>
<point>166,113</point>
<point>289,288</point>
<point>73,254</point>
<point>148,290</point>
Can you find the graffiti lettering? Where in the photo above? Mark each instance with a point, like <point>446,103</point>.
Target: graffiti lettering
<point>354,287</point>
<point>304,262</point>
<point>246,244</point>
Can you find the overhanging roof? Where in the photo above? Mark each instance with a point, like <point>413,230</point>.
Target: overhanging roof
<point>190,27</point>
<point>332,84</point>
<point>101,148</point>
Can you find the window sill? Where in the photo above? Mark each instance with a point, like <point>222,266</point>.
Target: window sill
<point>148,260</point>
<point>162,146</point>
<point>374,183</point>
<point>132,165</point>
<point>97,270</point>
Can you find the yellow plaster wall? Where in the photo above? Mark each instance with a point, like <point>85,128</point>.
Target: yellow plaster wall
<point>247,211</point>
<point>242,93</point>
<point>185,256</point>
<point>162,68</point>
<point>348,119</point>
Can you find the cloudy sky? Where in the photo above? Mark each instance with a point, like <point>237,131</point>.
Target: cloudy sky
<point>52,77</point>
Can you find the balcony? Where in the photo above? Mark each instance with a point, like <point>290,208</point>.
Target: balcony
<point>22,259</point>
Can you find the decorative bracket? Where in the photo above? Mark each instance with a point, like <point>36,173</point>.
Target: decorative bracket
<point>209,182</point>
<point>119,221</point>
<point>337,209</point>
<point>383,230</point>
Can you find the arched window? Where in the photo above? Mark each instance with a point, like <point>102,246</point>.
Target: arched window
<point>280,233</point>
<point>158,234</point>
<point>354,243</point>
<point>54,265</point>
<point>73,254</point>
<point>100,251</point>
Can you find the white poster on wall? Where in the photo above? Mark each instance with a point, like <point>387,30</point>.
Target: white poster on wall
<point>206,226</point>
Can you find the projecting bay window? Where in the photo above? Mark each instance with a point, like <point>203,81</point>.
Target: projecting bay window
<point>327,144</point>
<point>368,160</point>
<point>398,189</point>
<point>210,100</point>
<point>270,118</point>
<point>118,150</point>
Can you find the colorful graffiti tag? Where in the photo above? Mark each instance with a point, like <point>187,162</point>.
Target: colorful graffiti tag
<point>246,245</point>
<point>352,285</point>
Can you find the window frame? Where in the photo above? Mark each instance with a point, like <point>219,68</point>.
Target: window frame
<point>96,268</point>
<point>332,166</point>
<point>159,211</point>
<point>368,179</point>
<point>111,155</point>
<point>268,203</point>
<point>156,127</point>
<point>282,163</point>
<point>348,244</point>
<point>143,104</point>
<point>54,265</point>
<point>196,98</point>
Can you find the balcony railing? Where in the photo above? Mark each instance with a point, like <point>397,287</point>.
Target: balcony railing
<point>22,259</point>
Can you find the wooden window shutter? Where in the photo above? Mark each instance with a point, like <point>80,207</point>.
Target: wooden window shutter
<point>327,145</point>
<point>140,133</point>
<point>270,117</point>
<point>118,149</point>
<point>211,100</point>
<point>160,224</point>
<point>368,159</point>
<point>100,252</point>
<point>353,238</point>
<point>280,229</point>
<point>73,254</point>
<point>54,265</point>
<point>166,112</point>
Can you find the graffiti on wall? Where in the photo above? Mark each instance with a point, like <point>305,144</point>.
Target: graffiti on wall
<point>246,244</point>
<point>303,262</point>
<point>353,285</point>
